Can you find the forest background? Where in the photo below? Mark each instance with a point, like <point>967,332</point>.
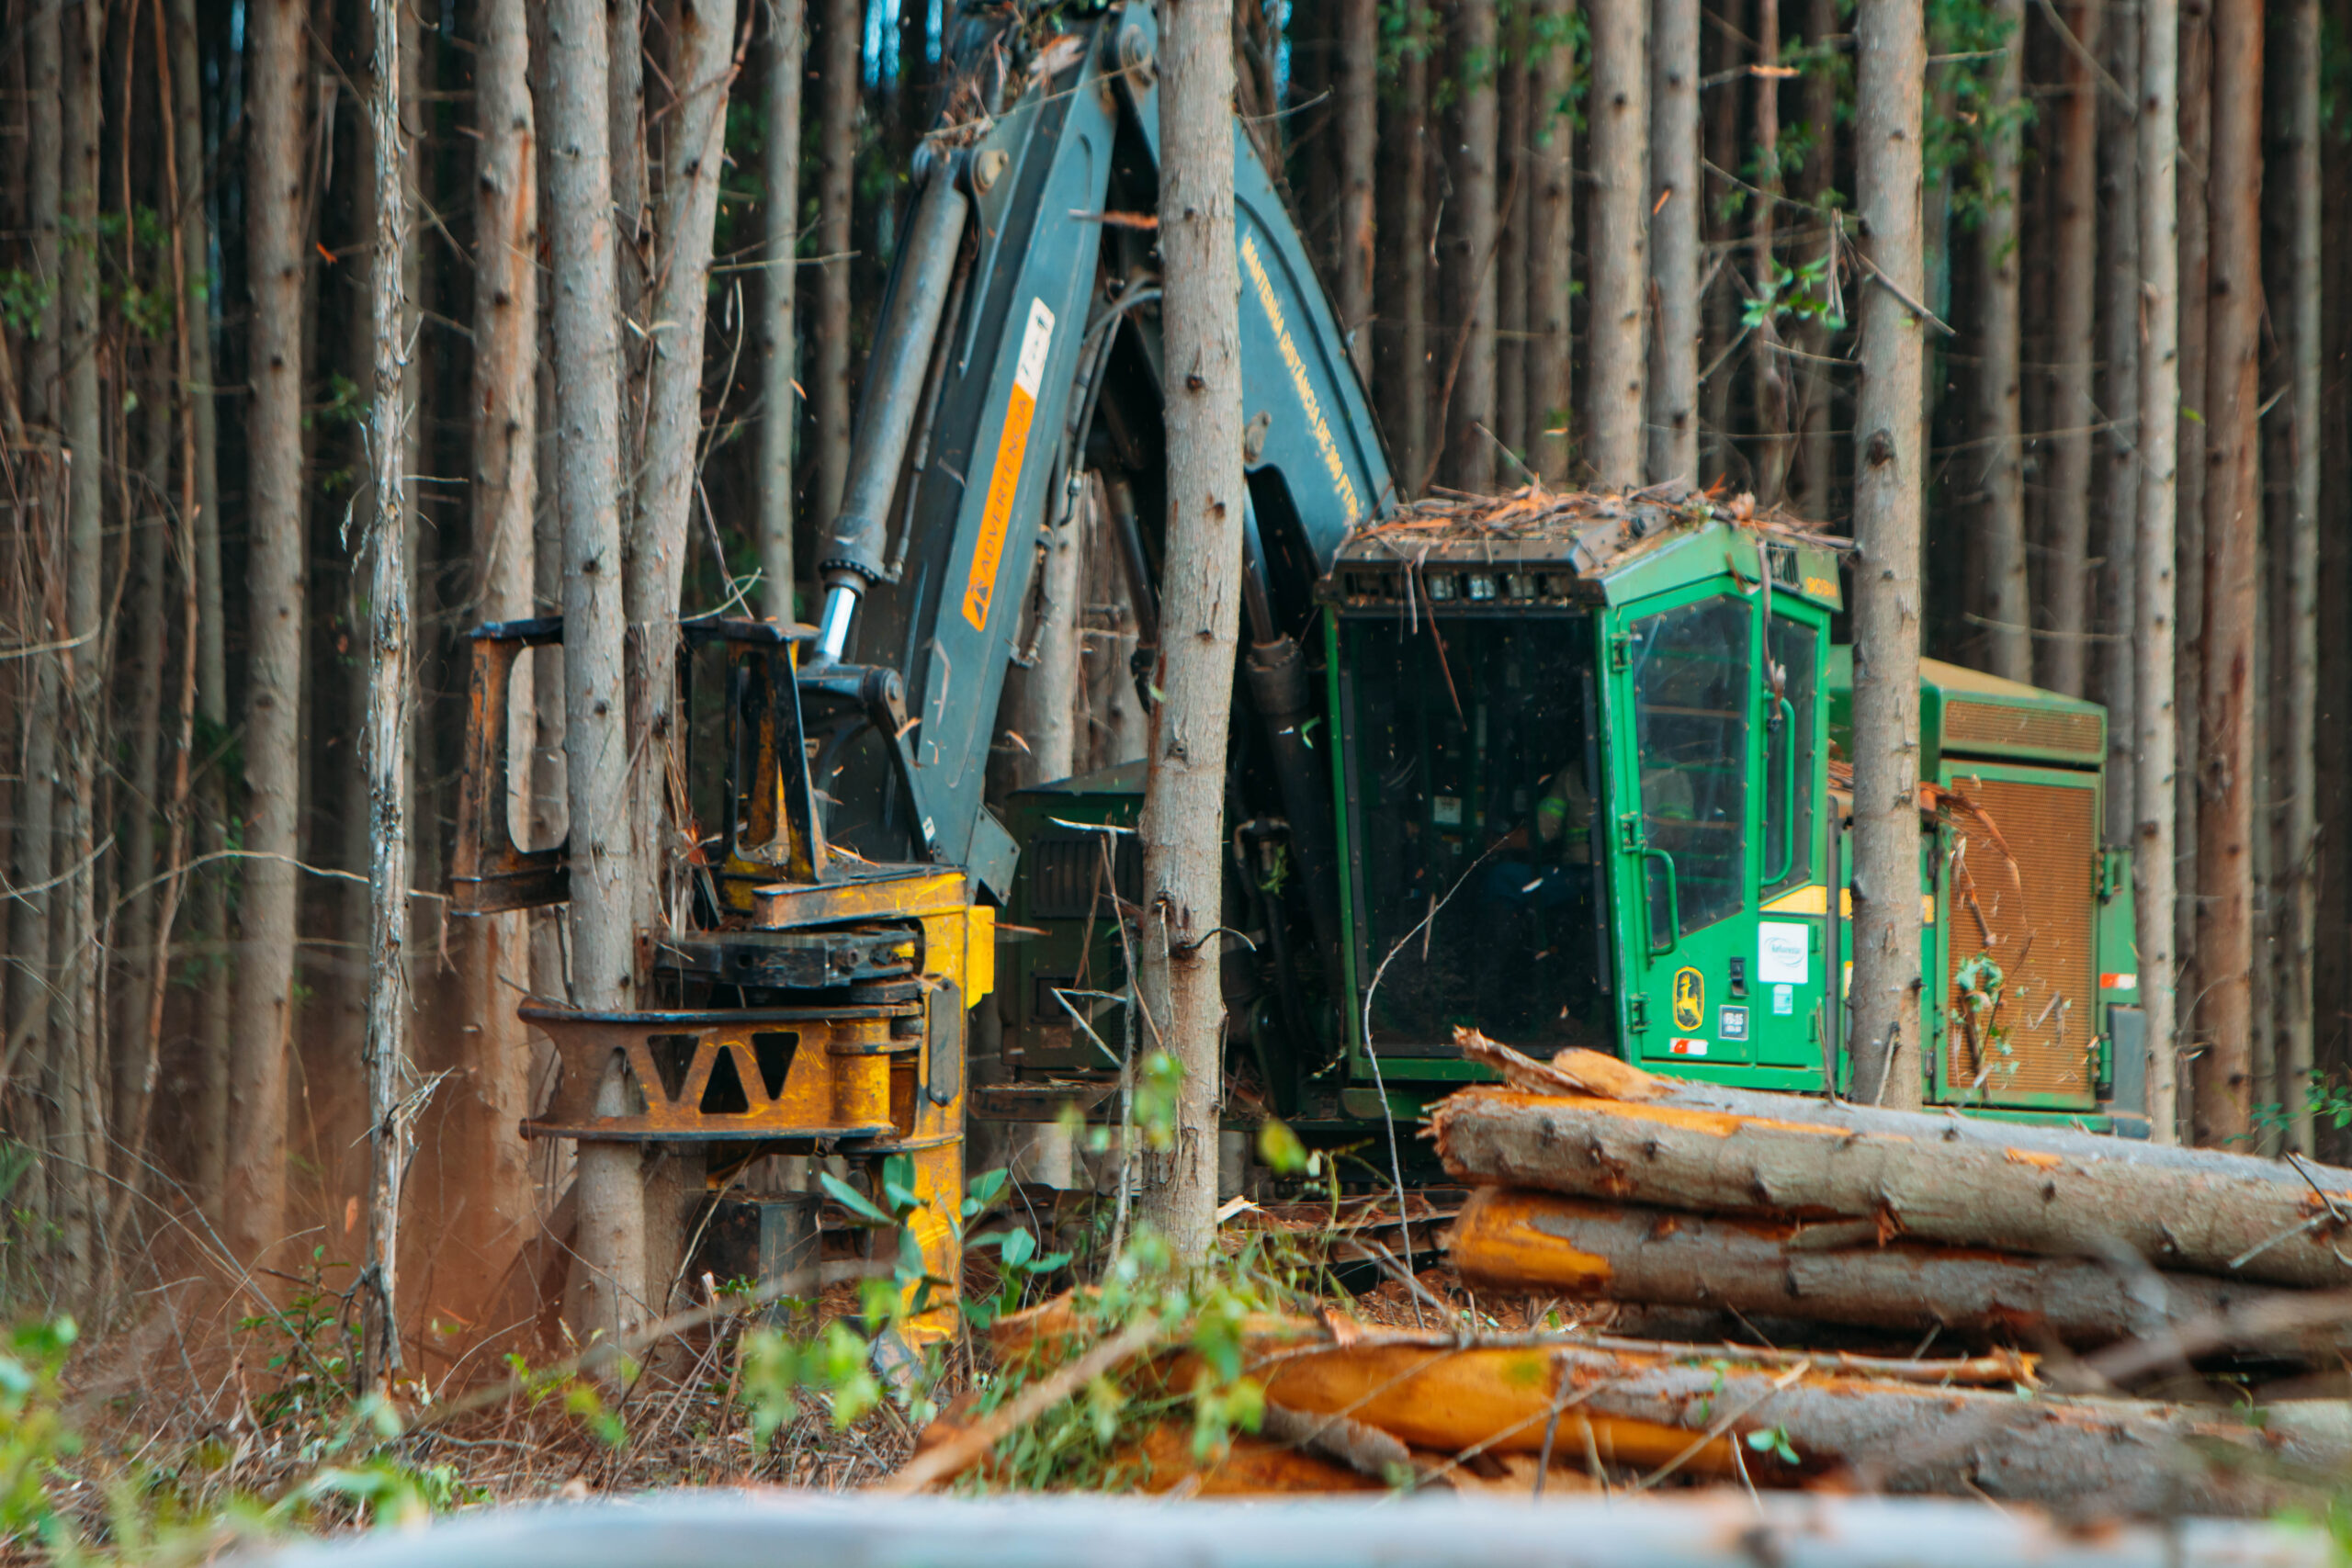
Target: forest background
<point>1581,240</point>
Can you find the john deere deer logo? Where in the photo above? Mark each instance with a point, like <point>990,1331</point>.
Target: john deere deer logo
<point>1690,998</point>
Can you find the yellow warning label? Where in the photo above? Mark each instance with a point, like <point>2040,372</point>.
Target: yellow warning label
<point>1690,998</point>
<point>1005,479</point>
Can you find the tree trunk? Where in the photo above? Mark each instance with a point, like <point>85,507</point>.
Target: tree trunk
<point>1999,441</point>
<point>1467,390</point>
<point>2155,729</point>
<point>1183,808</point>
<point>779,284</point>
<point>142,719</point>
<point>1551,240</point>
<point>2194,156</point>
<point>495,1092</point>
<point>1510,257</point>
<point>2294,560</point>
<point>2115,479</point>
<point>633,212</point>
<point>655,546</point>
<point>611,1298</point>
<point>1884,1033</point>
<point>1617,115</point>
<point>1514,1241</point>
<point>80,954</point>
<point>1674,239</point>
<point>1356,125</point>
<point>1772,396</point>
<point>2224,1082</point>
<point>1816,185</point>
<point>1404,377</point>
<point>829,388</point>
<point>209,1113</point>
<point>2074,407</point>
<point>2059,1200</point>
<point>391,1079</point>
<point>254,1207</point>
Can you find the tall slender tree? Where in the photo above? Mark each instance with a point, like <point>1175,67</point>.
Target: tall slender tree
<point>1891,51</point>
<point>1674,239</point>
<point>1356,128</point>
<point>1999,444</point>
<point>1617,113</point>
<point>2154,728</point>
<point>1469,390</point>
<point>2074,404</point>
<point>2224,1075</point>
<point>2194,150</point>
<point>1552,240</point>
<point>254,1207</point>
<point>779,296</point>
<point>1183,807</point>
<point>829,384</point>
<point>1774,397</point>
<point>390,1077</point>
<point>495,962</point>
<point>2296,311</point>
<point>611,1290</point>
<point>1402,381</point>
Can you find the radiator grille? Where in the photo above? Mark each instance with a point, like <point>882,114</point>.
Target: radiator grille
<point>1998,727</point>
<point>1065,874</point>
<point>2040,934</point>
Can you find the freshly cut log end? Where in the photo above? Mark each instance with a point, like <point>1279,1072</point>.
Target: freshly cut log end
<point>1527,1242</point>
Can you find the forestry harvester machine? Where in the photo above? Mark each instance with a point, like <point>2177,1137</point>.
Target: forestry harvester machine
<point>1558,767</point>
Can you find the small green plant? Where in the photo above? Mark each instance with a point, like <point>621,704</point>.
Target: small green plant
<point>309,1346</point>
<point>1773,1440</point>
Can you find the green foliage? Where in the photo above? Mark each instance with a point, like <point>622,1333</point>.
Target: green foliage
<point>311,1346</point>
<point>25,298</point>
<point>2327,1101</point>
<point>1773,1440</point>
<point>1977,1012</point>
<point>1802,294</point>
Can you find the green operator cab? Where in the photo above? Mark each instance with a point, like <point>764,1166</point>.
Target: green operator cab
<point>1581,773</point>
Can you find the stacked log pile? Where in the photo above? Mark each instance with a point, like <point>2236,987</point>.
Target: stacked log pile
<point>2057,1269</point>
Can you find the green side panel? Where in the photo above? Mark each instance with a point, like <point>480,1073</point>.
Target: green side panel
<point>1059,934</point>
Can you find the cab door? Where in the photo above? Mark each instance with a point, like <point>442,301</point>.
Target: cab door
<point>1790,977</point>
<point>1684,736</point>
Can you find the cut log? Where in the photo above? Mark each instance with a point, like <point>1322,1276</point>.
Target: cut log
<point>1935,1181</point>
<point>1581,1072</point>
<point>1539,1243</point>
<point>2099,1458</point>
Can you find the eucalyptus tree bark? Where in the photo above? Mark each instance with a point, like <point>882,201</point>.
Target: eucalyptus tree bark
<point>2194,153</point>
<point>1617,116</point>
<point>2074,404</point>
<point>1183,807</point>
<point>35,848</point>
<point>610,1291</point>
<point>1356,126</point>
<point>702,36</point>
<point>1816,182</point>
<point>838,80</point>
<point>390,1079</point>
<point>139,717</point>
<point>1467,389</point>
<point>253,1205</point>
<point>2224,1073</point>
<point>779,284</point>
<point>1551,238</point>
<point>2115,451</point>
<point>1773,398</point>
<point>1673,433</point>
<point>633,212</point>
<point>1403,383</point>
<point>210,1109</point>
<point>1890,63</point>
<point>1510,241</point>
<point>78,1040</point>
<point>2000,452</point>
<point>2296,314</point>
<point>2155,729</point>
<point>495,1092</point>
